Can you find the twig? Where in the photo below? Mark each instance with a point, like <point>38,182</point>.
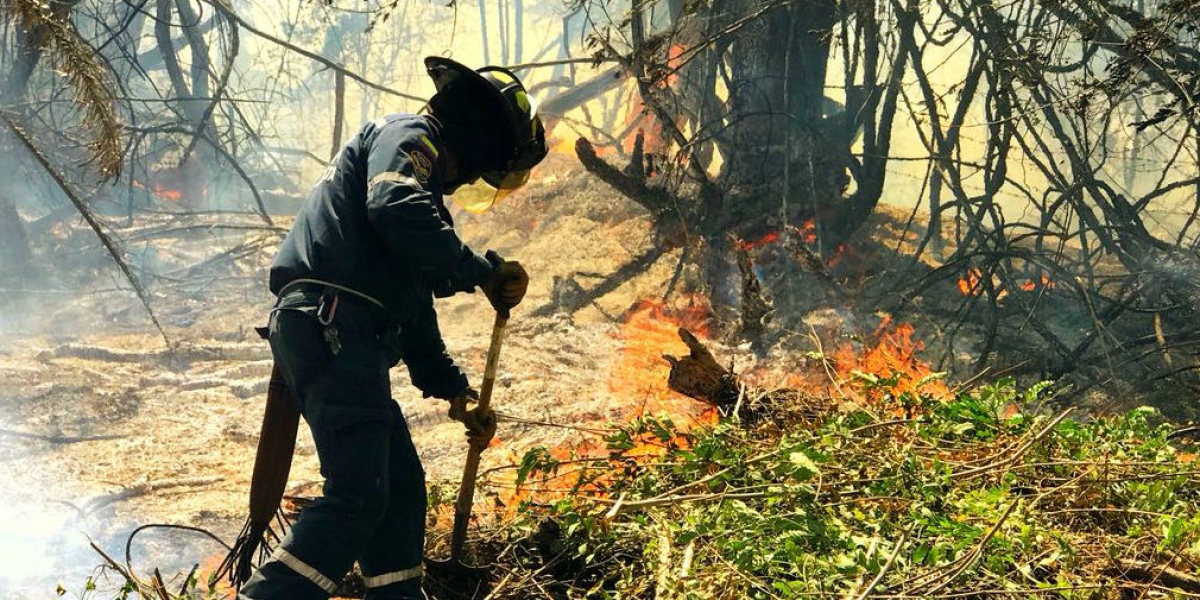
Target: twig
<point>1015,455</point>
<point>329,64</point>
<point>1147,573</point>
<point>978,551</point>
<point>888,565</point>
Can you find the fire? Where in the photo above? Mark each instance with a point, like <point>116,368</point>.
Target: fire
<point>161,191</point>
<point>638,381</point>
<point>838,254</point>
<point>765,240</point>
<point>971,284</point>
<point>204,573</point>
<point>893,357</point>
<point>565,145</point>
<point>806,232</point>
<point>650,331</point>
<point>1031,285</point>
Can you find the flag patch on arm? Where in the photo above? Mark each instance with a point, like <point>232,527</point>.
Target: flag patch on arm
<point>422,165</point>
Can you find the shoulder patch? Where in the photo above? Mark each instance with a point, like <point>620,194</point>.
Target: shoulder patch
<point>422,164</point>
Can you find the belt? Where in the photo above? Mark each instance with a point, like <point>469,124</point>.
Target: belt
<point>301,283</point>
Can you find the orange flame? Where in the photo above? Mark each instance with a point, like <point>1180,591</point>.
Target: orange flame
<point>769,238</point>
<point>1032,284</point>
<point>638,380</point>
<point>807,231</point>
<point>208,567</point>
<point>971,283</point>
<point>161,191</point>
<point>651,330</point>
<point>893,356</point>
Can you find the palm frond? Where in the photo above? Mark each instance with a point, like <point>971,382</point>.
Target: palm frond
<point>75,60</point>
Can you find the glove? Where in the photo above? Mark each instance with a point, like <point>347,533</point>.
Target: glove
<point>481,426</point>
<point>506,285</point>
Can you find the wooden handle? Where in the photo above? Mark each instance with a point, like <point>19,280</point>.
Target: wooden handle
<point>466,489</point>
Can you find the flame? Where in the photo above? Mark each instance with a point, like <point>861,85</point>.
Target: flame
<point>807,232</point>
<point>650,331</point>
<point>838,254</point>
<point>769,238</point>
<point>637,380</point>
<point>971,283</point>
<point>892,355</point>
<point>1031,285</point>
<point>208,567</point>
<point>565,145</point>
<point>161,191</point>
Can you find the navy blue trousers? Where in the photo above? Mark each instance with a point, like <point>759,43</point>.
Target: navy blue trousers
<point>373,506</point>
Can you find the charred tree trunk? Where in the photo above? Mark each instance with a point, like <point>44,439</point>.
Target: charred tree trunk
<point>699,376</point>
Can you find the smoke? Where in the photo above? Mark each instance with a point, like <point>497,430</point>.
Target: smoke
<point>45,547</point>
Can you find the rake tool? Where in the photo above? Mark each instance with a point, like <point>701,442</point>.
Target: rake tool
<point>455,566</point>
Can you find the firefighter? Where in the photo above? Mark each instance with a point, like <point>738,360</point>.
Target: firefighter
<point>355,279</point>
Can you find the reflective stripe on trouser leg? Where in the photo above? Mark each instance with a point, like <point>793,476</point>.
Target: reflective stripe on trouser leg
<point>305,570</point>
<point>376,581</point>
<point>395,552</point>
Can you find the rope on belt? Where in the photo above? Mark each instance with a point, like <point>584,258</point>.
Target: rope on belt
<point>341,288</point>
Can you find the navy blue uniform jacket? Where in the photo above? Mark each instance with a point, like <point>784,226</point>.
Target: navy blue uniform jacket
<point>376,222</point>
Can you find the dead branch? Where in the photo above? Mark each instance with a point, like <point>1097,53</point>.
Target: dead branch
<point>1141,572</point>
<point>626,181</point>
<point>227,11</point>
<point>87,215</point>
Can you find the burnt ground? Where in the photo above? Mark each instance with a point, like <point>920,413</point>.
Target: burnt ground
<point>175,428</point>
<point>104,427</point>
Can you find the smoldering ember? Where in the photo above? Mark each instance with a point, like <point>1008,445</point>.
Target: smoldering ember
<point>520,299</point>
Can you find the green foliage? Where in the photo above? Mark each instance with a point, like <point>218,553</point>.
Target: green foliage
<point>971,494</point>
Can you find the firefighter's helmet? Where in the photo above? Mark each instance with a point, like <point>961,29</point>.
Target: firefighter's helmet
<point>526,137</point>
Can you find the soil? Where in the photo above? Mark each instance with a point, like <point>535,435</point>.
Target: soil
<point>136,430</point>
<point>83,361</point>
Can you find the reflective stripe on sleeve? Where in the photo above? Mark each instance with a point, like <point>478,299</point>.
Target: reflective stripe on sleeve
<point>375,581</point>
<point>394,177</point>
<point>305,570</point>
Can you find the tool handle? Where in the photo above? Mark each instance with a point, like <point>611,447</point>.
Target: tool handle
<point>493,358</point>
<point>466,489</point>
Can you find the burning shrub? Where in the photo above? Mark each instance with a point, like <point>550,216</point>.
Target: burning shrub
<point>975,494</point>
